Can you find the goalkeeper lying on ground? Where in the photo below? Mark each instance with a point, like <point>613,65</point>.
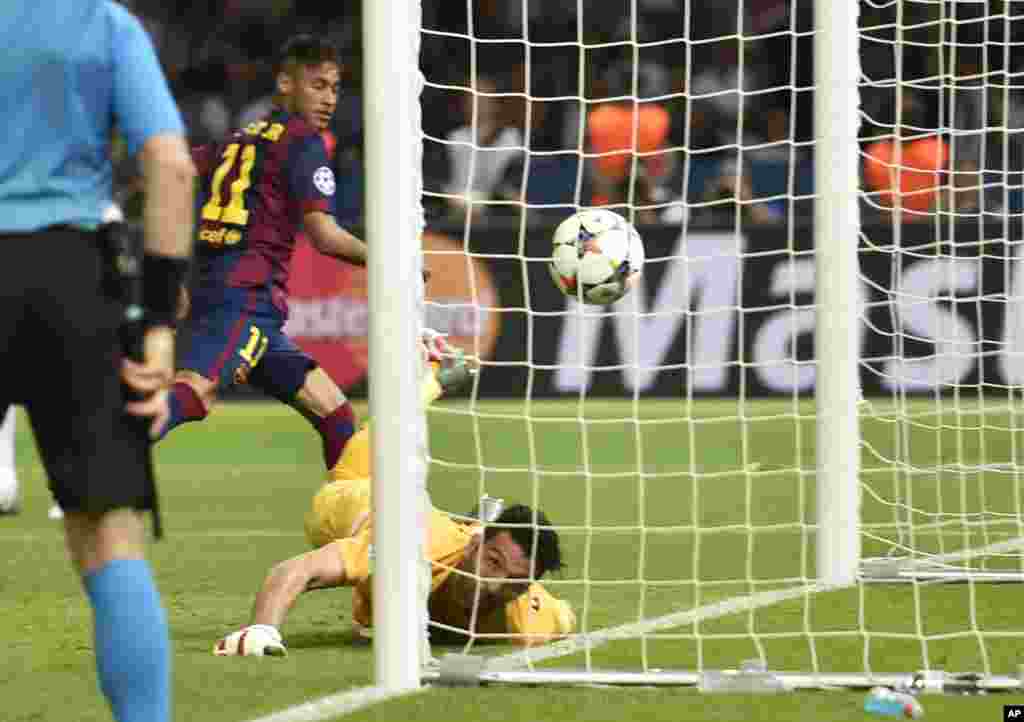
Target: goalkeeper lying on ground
<point>340,529</point>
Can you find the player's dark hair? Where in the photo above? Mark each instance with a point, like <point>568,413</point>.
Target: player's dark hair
<point>305,50</point>
<point>526,527</point>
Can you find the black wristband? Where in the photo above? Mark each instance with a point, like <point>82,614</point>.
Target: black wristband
<point>163,276</point>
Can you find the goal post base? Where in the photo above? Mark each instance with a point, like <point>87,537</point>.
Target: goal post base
<point>946,568</point>
<point>729,680</point>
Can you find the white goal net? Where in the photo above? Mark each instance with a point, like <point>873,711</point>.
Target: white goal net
<point>674,439</point>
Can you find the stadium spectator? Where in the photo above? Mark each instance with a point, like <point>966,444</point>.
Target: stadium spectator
<point>968,110</point>
<point>907,166</point>
<point>967,194</point>
<point>965,190</point>
<point>721,82</point>
<point>203,107</point>
<point>620,130</point>
<point>483,149</point>
<point>1005,138</point>
<point>733,184</point>
<point>771,130</point>
<point>915,167</point>
<point>74,71</point>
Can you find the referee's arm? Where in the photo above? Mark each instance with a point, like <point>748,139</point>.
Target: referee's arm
<point>148,117</point>
<point>167,217</point>
<point>168,176</point>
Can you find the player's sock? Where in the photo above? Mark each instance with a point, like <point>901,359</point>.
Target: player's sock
<point>185,406</point>
<point>133,657</point>
<point>335,430</point>
<point>354,462</point>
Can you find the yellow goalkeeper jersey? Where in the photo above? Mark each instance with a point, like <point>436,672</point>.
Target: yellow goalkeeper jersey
<point>532,618</point>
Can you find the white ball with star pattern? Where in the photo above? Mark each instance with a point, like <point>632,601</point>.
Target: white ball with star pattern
<point>596,256</point>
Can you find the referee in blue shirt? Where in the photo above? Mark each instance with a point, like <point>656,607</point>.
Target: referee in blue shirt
<point>70,72</point>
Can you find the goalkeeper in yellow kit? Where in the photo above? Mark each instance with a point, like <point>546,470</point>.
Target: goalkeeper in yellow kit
<point>487,565</point>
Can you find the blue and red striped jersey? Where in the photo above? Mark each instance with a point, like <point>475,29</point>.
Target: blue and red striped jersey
<point>255,189</point>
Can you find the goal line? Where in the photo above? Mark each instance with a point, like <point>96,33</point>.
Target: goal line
<point>519,667</point>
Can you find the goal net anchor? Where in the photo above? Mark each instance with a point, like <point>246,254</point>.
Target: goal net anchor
<point>948,568</point>
<point>907,570</point>
<point>461,670</point>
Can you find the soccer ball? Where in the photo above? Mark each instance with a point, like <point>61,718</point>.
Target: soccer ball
<point>596,257</point>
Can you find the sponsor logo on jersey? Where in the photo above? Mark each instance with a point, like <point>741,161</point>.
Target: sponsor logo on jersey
<point>323,179</point>
<point>219,236</point>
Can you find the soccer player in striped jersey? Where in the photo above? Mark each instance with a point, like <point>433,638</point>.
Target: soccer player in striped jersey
<point>258,190</point>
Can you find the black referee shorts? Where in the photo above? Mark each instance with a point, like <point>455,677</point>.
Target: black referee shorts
<point>60,358</point>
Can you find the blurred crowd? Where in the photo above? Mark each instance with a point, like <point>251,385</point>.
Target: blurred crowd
<point>671,110</point>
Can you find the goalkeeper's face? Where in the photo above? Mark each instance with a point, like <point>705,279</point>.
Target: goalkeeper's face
<point>311,91</point>
<point>504,568</point>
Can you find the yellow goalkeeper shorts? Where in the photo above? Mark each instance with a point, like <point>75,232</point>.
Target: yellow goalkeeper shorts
<point>340,510</point>
<point>354,463</point>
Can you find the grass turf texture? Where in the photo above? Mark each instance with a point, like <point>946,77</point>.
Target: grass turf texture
<point>234,490</point>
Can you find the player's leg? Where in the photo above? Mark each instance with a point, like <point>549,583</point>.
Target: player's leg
<point>294,378</point>
<point>191,398</point>
<point>222,344</point>
<point>99,473</point>
<point>447,370</point>
<point>130,626</point>
<point>9,496</point>
<point>97,460</point>
<point>286,373</point>
<point>321,401</point>
<point>324,405</point>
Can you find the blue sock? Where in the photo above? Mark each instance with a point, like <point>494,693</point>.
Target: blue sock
<point>133,657</point>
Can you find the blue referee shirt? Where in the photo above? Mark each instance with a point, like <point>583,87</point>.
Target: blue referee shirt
<point>70,72</point>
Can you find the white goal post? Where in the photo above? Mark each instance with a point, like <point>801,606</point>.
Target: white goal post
<point>753,510</point>
<point>837,331</point>
<point>394,224</point>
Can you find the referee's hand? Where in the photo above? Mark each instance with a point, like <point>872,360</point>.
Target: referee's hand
<point>151,378</point>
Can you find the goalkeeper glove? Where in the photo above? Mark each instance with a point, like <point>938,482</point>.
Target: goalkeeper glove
<point>256,640</point>
<point>454,369</point>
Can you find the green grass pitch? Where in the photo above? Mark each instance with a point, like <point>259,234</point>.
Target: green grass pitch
<point>651,504</point>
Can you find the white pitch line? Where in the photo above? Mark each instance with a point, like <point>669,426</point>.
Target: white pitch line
<point>58,534</point>
<point>344,703</point>
<point>335,705</point>
<point>527,658</point>
<point>574,645</point>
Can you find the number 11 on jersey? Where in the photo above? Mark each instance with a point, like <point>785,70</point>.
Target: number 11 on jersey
<point>234,212</point>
